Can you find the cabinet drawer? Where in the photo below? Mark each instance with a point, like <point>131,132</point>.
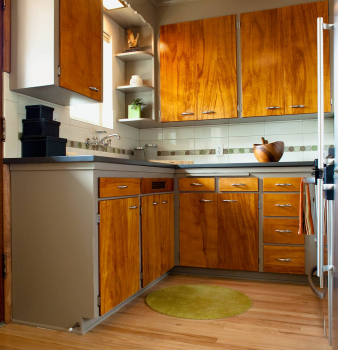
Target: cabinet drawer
<point>281,205</point>
<point>281,259</point>
<point>157,185</point>
<point>197,185</point>
<point>238,184</point>
<point>282,231</point>
<point>281,184</point>
<point>118,187</point>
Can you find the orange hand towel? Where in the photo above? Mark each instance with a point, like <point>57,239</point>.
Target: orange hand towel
<point>305,215</point>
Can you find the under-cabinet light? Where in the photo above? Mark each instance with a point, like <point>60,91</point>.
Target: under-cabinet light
<point>113,4</point>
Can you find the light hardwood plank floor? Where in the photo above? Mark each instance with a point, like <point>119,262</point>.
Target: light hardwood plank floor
<point>283,317</point>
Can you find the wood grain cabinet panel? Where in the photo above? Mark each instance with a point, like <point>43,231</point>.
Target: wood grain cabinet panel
<point>283,259</point>
<point>197,185</point>
<point>300,57</point>
<point>282,231</point>
<point>285,204</point>
<point>262,63</point>
<point>119,251</point>
<point>118,187</point>
<point>198,229</point>
<point>81,37</point>
<point>238,231</point>
<point>281,184</point>
<point>238,184</point>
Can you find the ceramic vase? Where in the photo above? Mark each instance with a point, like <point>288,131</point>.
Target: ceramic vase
<point>136,80</point>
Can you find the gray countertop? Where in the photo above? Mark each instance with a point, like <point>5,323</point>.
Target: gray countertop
<point>144,163</point>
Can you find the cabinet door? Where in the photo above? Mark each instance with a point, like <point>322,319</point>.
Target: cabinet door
<point>216,68</point>
<point>119,251</point>
<point>198,229</point>
<point>179,71</point>
<point>262,63</point>
<point>238,231</point>
<point>81,36</point>
<point>300,57</point>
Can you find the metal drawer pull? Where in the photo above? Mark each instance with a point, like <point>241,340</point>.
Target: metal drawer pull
<point>94,89</point>
<point>284,260</point>
<point>164,202</point>
<point>283,205</point>
<point>155,203</point>
<point>273,107</point>
<point>134,207</point>
<point>283,185</point>
<point>206,200</point>
<point>297,106</point>
<point>208,112</point>
<point>229,200</point>
<point>284,231</point>
<point>187,113</point>
<point>122,187</point>
<point>196,184</point>
<point>238,184</point>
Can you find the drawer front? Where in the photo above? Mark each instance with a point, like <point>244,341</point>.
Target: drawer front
<point>281,259</point>
<point>281,184</point>
<point>281,204</point>
<point>282,231</point>
<point>238,184</point>
<point>197,185</point>
<point>118,187</point>
<point>157,185</point>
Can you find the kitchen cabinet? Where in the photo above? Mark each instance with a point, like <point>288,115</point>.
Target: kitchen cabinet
<point>119,251</point>
<point>238,231</point>
<point>198,70</point>
<point>279,60</point>
<point>157,236</point>
<point>70,45</point>
<point>198,229</point>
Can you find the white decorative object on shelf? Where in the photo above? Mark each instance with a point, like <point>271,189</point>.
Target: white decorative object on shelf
<point>136,80</point>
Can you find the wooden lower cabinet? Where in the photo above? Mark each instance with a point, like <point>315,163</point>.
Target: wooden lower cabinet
<point>157,236</point>
<point>238,231</point>
<point>198,229</point>
<point>119,251</point>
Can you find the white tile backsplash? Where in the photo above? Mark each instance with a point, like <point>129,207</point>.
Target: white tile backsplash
<point>204,132</point>
<point>251,129</point>
<point>151,134</point>
<point>210,143</point>
<point>176,145</point>
<point>284,128</point>
<point>179,133</point>
<point>244,141</point>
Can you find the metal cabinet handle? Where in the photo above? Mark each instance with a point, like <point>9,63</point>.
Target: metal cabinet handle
<point>208,112</point>
<point>164,202</point>
<point>284,260</point>
<point>229,200</point>
<point>238,184</point>
<point>196,184</point>
<point>273,107</point>
<point>283,205</point>
<point>155,203</point>
<point>206,200</point>
<point>94,89</point>
<point>284,231</point>
<point>122,187</point>
<point>133,207</point>
<point>187,113</point>
<point>297,106</point>
<point>283,185</point>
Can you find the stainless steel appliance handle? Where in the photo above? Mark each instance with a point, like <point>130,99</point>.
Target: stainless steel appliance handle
<point>229,200</point>
<point>273,107</point>
<point>283,231</point>
<point>206,200</point>
<point>297,106</point>
<point>283,205</point>
<point>238,184</point>
<point>283,185</point>
<point>196,184</point>
<point>187,113</point>
<point>94,89</point>
<point>122,187</point>
<point>284,260</point>
<point>208,112</point>
<point>133,207</point>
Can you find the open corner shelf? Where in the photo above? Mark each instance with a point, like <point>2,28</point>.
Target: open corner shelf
<point>142,123</point>
<point>128,88</point>
<point>134,56</point>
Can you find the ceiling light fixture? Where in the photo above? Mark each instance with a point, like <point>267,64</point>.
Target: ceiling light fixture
<point>113,4</point>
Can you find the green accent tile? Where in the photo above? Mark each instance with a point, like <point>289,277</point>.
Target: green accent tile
<point>241,150</point>
<point>79,145</point>
<point>87,146</point>
<point>231,151</point>
<point>314,148</point>
<point>236,150</point>
<point>247,150</point>
<point>202,152</point>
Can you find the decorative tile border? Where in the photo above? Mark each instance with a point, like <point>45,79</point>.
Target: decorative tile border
<point>82,145</point>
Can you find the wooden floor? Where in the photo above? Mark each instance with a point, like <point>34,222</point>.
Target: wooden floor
<point>283,317</point>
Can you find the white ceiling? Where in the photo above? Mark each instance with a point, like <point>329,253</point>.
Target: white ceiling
<point>158,3</point>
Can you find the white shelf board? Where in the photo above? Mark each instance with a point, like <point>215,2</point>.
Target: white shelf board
<point>142,123</point>
<point>134,56</point>
<point>126,18</point>
<point>128,88</point>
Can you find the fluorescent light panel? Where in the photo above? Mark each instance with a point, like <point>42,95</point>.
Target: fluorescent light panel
<point>113,4</point>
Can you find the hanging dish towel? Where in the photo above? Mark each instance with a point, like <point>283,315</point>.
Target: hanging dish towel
<point>305,215</point>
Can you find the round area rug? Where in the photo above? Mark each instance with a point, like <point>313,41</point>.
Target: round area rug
<point>199,302</point>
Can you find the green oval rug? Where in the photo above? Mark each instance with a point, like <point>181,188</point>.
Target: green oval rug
<point>199,302</point>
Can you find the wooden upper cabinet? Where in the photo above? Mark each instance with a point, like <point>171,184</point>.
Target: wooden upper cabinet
<point>300,57</point>
<point>81,34</point>
<point>217,68</point>
<point>262,63</point>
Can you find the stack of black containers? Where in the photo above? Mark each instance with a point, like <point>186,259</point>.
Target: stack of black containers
<point>40,137</point>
